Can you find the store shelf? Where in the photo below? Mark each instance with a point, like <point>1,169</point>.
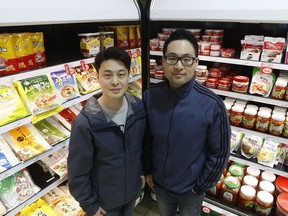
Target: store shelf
<point>233,61</point>
<point>35,197</point>
<point>24,164</point>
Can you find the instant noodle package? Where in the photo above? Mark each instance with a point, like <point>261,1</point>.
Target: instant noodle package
<point>26,141</point>
<point>7,157</point>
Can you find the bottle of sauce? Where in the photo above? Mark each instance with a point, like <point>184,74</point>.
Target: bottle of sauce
<point>230,190</point>
<point>236,171</point>
<point>246,197</point>
<point>263,203</point>
<point>215,190</point>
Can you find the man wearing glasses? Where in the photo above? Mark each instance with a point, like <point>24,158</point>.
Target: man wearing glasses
<point>188,134</point>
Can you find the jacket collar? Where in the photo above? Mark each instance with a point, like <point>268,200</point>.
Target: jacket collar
<point>183,90</point>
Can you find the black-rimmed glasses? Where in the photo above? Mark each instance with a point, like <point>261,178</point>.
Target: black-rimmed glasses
<point>186,61</point>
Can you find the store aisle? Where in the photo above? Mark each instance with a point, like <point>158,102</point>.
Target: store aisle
<point>147,207</point>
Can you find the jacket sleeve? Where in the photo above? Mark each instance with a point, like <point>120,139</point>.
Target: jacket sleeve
<point>218,149</point>
<point>80,163</point>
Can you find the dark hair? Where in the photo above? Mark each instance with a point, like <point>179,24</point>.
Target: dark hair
<point>115,53</point>
<point>181,34</point>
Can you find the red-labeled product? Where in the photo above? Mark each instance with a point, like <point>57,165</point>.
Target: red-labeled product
<point>201,71</point>
<point>211,82</point>
<point>282,205</point>
<point>206,38</point>
<point>240,84</point>
<point>208,32</point>
<point>214,53</point>
<point>224,84</point>
<point>227,52</point>
<point>281,185</point>
<point>214,72</point>
<point>159,74</point>
<point>214,38</point>
<point>218,32</point>
<point>279,89</point>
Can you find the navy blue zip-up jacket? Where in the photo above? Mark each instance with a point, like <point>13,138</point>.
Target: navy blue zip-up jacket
<point>104,164</point>
<point>188,137</point>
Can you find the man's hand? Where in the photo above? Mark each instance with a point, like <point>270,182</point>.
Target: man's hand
<point>149,181</point>
<point>100,212</point>
<point>143,182</point>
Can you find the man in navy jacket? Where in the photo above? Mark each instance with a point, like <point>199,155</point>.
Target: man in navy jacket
<point>188,134</point>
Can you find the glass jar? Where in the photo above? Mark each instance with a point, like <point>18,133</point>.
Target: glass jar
<point>246,198</point>
<point>236,171</point>
<point>267,176</point>
<point>236,115</point>
<point>211,82</point>
<point>285,129</point>
<point>201,71</point>
<point>215,72</point>
<point>230,190</point>
<point>262,121</point>
<point>249,118</point>
<point>263,203</point>
<point>228,105</point>
<point>267,186</point>
<point>276,124</point>
<point>251,181</point>
<point>240,84</point>
<point>279,89</point>
<point>215,190</point>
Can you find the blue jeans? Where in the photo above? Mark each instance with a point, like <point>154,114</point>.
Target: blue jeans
<point>189,204</point>
<point>125,210</point>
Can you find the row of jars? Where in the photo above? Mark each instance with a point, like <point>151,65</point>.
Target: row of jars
<point>250,188</point>
<point>262,119</point>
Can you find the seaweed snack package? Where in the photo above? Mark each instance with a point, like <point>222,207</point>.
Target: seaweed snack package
<point>57,162</point>
<point>87,80</point>
<point>54,196</point>
<point>40,96</point>
<point>262,81</point>
<point>8,60</point>
<point>66,208</point>
<point>2,209</point>
<point>7,157</point>
<point>17,188</point>
<point>122,36</point>
<point>236,138</point>
<point>26,141</point>
<point>251,145</point>
<point>12,107</point>
<point>39,55</point>
<point>52,131</point>
<point>65,84</point>
<point>268,152</point>
<point>21,52</point>
<point>89,44</point>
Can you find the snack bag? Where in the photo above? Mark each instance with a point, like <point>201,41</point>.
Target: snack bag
<point>12,107</point>
<point>7,157</point>
<point>39,54</point>
<point>251,145</point>
<point>268,152</point>
<point>236,138</point>
<point>21,52</point>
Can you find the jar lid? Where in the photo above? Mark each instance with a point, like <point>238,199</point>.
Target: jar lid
<point>265,197</point>
<point>236,170</point>
<point>212,80</point>
<point>252,106</point>
<point>282,201</point>
<point>253,171</point>
<point>231,182</point>
<point>250,111</point>
<point>238,108</point>
<point>264,114</point>
<point>267,109</point>
<point>228,104</point>
<point>202,67</point>
<point>248,191</point>
<point>250,180</point>
<point>282,183</point>
<point>241,78</point>
<point>268,176</point>
<point>152,60</point>
<point>267,186</point>
<point>278,116</point>
<point>281,82</point>
<point>224,81</point>
<point>284,109</point>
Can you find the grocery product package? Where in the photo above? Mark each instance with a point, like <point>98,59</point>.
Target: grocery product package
<point>65,85</point>
<point>252,46</point>
<point>17,188</point>
<point>7,157</point>
<point>40,96</point>
<point>12,107</point>
<point>52,131</point>
<point>251,145</point>
<point>267,153</point>
<point>273,49</point>
<point>26,141</point>
<point>40,207</point>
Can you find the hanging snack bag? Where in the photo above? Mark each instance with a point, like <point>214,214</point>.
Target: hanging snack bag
<point>122,35</point>
<point>39,49</point>
<point>26,141</point>
<point>40,96</point>
<point>87,80</point>
<point>7,157</point>
<point>251,145</point>
<point>21,50</point>
<point>17,188</point>
<point>30,50</point>
<point>8,61</point>
<point>52,131</point>
<point>262,81</point>
<point>268,152</point>
<point>12,107</point>
<point>65,85</point>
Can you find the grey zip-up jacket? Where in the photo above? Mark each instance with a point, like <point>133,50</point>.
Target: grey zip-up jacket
<point>104,164</point>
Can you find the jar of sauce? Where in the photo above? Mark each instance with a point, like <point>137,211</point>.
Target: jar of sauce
<point>267,176</point>
<point>249,118</point>
<point>224,84</point>
<point>277,124</point>
<point>279,89</point>
<point>211,82</point>
<point>263,203</point>
<point>253,172</point>
<point>230,190</point>
<point>240,84</point>
<point>246,197</point>
<point>215,72</point>
<point>236,171</point>
<point>262,121</point>
<point>236,115</point>
<point>267,186</point>
<point>251,181</point>
<point>215,190</point>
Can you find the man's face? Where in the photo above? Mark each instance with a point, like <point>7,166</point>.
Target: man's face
<point>177,74</point>
<point>113,78</point>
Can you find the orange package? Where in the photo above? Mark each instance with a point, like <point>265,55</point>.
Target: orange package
<point>8,60</point>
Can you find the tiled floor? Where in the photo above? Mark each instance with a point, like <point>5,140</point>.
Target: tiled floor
<point>147,207</point>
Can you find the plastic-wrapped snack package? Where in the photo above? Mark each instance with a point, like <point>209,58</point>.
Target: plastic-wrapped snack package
<point>40,96</point>
<point>236,138</point>
<point>54,196</point>
<point>268,152</point>
<point>12,107</point>
<point>65,85</point>
<point>251,145</point>
<point>26,141</point>
<point>52,131</point>
<point>17,188</point>
<point>7,157</point>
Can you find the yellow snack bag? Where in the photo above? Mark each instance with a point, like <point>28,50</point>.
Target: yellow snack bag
<point>20,49</point>
<point>39,49</point>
